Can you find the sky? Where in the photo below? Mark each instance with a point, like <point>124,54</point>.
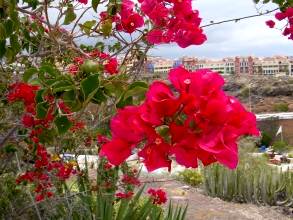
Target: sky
<point>246,37</point>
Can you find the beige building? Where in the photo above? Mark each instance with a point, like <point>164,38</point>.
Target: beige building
<point>277,66</point>
<point>223,66</point>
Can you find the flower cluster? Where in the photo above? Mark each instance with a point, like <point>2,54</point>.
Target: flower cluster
<point>173,21</point>
<point>130,180</point>
<point>198,122</point>
<point>25,93</point>
<point>128,20</point>
<point>110,64</point>
<point>288,15</point>
<point>159,196</point>
<point>122,195</point>
<point>41,175</point>
<point>44,166</point>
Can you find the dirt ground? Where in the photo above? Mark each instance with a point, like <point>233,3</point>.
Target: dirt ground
<point>202,207</point>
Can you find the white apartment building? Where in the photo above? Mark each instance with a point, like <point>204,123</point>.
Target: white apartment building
<point>159,66</point>
<point>276,66</point>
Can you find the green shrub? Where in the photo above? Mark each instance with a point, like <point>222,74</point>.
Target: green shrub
<point>280,146</point>
<point>13,198</point>
<point>281,107</point>
<point>191,177</point>
<point>266,139</point>
<point>254,181</point>
<point>244,92</point>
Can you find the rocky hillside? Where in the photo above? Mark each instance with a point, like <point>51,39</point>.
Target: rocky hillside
<point>262,93</point>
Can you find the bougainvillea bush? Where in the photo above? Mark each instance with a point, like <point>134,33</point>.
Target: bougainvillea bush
<point>69,71</point>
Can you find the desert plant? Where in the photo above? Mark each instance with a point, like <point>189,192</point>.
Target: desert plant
<point>244,93</point>
<point>191,177</point>
<point>254,181</point>
<point>280,146</point>
<point>281,107</point>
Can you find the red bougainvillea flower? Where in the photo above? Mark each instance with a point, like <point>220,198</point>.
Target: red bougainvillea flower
<point>194,121</point>
<point>130,180</point>
<point>111,66</point>
<point>116,151</point>
<point>159,196</point>
<point>127,125</point>
<point>126,8</point>
<point>190,36</point>
<point>129,20</point>
<point>83,1</point>
<point>270,23</point>
<point>174,21</point>
<point>78,60</point>
<point>284,15</point>
<point>39,197</point>
<point>131,23</point>
<point>122,195</point>
<point>28,121</point>
<point>22,92</point>
<point>73,69</point>
<point>155,155</point>
<point>108,166</point>
<point>280,16</point>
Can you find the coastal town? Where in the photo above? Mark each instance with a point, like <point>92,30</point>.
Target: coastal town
<point>157,67</point>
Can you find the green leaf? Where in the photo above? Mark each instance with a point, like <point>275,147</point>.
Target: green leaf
<point>48,135</point>
<point>90,85</point>
<point>87,26</point>
<point>62,86</point>
<point>99,97</point>
<point>49,69</point>
<point>124,102</point>
<point>9,27</point>
<point>10,148</point>
<point>95,4</point>
<point>63,124</point>
<point>2,48</point>
<point>113,9</point>
<point>29,73</point>
<point>42,110</point>
<point>70,98</point>
<point>69,15</point>
<point>9,54</point>
<point>39,96</point>
<point>2,32</point>
<point>137,91</point>
<point>106,27</point>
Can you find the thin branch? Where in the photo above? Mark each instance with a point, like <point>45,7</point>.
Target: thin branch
<point>46,14</point>
<point>238,19</point>
<point>10,133</point>
<point>76,23</point>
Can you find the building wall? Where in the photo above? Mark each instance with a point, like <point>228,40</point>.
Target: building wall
<point>244,65</point>
<point>272,126</point>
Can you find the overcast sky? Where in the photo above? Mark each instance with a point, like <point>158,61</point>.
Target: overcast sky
<point>247,37</point>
